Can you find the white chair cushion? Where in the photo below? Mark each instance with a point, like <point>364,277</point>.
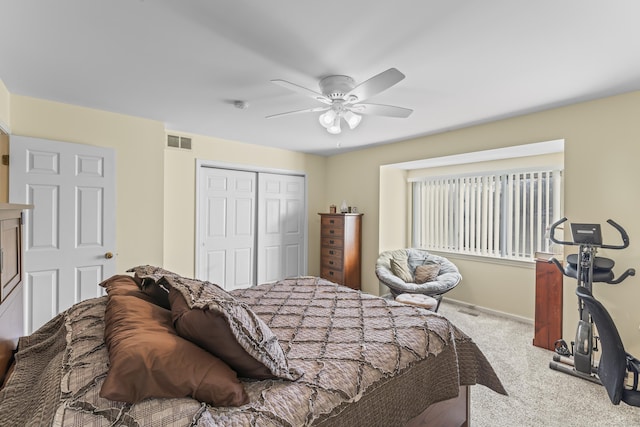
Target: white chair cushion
<point>419,300</point>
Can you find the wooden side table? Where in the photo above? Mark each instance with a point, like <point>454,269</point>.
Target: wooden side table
<point>548,314</point>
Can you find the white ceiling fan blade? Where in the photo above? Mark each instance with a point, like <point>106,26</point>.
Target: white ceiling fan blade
<point>307,110</point>
<point>374,85</point>
<point>303,90</point>
<point>381,110</point>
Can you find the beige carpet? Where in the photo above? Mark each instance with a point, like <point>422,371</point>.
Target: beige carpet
<point>538,395</point>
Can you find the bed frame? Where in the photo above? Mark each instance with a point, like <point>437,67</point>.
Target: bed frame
<point>11,328</point>
<point>11,317</point>
<point>452,412</point>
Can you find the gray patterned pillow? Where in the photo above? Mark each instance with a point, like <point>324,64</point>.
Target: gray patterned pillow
<point>401,269</point>
<point>150,272</point>
<point>249,331</point>
<point>427,273</point>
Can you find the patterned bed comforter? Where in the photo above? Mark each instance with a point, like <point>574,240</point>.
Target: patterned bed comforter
<point>366,361</point>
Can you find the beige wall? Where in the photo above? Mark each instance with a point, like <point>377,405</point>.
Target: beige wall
<point>554,160</point>
<point>4,169</point>
<point>156,189</point>
<point>601,174</point>
<point>4,142</point>
<point>393,210</point>
<point>179,182</point>
<point>155,207</point>
<point>139,148</point>
<point>4,106</point>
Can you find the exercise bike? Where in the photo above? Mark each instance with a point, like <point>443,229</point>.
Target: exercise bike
<point>586,268</point>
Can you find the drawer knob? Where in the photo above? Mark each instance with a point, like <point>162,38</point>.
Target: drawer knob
<point>331,252</point>
<point>331,262</point>
<point>331,221</point>
<point>331,273</point>
<point>331,231</point>
<point>331,241</point>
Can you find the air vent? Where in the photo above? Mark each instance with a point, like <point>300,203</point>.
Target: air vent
<point>173,141</point>
<point>179,142</point>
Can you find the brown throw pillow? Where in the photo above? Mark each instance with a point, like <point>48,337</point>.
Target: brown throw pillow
<point>427,273</point>
<point>121,284</point>
<point>208,316</point>
<point>157,292</point>
<point>401,269</point>
<point>149,276</point>
<point>210,330</point>
<point>148,359</point>
<point>146,289</point>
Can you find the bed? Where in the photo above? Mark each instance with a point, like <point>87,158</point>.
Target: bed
<point>333,357</point>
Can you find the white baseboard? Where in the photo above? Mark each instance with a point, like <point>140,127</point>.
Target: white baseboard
<point>480,309</point>
<point>489,311</point>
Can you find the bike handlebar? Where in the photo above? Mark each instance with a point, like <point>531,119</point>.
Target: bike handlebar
<point>552,233</point>
<point>623,234</point>
<point>629,272</point>
<point>619,279</point>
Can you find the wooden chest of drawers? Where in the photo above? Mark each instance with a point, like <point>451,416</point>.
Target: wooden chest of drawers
<point>340,251</point>
<point>10,247</point>
<point>11,287</point>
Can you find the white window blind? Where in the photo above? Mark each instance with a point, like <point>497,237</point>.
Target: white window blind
<point>502,214</point>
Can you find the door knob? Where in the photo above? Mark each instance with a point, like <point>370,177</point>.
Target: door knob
<point>108,255</point>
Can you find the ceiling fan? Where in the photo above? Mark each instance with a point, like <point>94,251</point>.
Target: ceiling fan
<point>343,99</point>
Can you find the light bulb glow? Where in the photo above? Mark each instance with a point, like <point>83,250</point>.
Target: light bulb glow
<point>327,119</point>
<point>353,120</point>
<point>335,126</point>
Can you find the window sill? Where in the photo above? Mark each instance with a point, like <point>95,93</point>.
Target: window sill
<point>487,259</point>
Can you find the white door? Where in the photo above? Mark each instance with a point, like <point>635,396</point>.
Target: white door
<point>70,232</point>
<point>281,225</point>
<point>227,227</point>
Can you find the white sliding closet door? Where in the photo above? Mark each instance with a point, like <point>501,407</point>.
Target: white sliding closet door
<point>281,220</point>
<point>251,227</point>
<point>227,232</point>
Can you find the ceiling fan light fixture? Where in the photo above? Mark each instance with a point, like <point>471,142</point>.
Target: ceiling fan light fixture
<point>343,99</point>
<point>334,129</point>
<point>326,119</point>
<point>353,120</point>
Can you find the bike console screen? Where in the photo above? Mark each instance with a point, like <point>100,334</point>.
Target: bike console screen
<point>588,234</point>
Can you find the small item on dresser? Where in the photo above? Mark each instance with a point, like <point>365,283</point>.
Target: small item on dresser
<point>332,209</point>
<point>343,207</point>
<point>354,209</point>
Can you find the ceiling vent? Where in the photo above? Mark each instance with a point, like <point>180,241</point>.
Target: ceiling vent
<point>179,142</point>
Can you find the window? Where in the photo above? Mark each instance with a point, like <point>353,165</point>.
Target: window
<point>504,214</point>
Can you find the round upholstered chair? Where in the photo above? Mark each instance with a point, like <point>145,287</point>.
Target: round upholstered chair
<point>416,271</point>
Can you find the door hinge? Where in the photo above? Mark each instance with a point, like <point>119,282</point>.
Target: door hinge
<point>5,159</point>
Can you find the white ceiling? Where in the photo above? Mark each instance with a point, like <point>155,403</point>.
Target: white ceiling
<point>185,62</point>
